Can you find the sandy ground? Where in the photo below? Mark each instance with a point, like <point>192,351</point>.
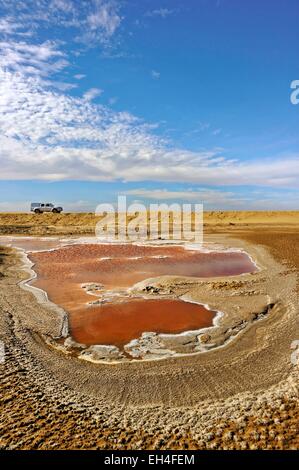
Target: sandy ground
<point>240,395</point>
<point>84,223</point>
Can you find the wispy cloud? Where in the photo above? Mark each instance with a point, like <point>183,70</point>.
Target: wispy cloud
<point>155,74</point>
<point>46,134</point>
<point>161,12</point>
<point>104,19</point>
<point>32,59</point>
<point>92,94</point>
<point>63,5</point>
<point>8,26</point>
<point>200,127</point>
<point>79,76</point>
<point>96,21</point>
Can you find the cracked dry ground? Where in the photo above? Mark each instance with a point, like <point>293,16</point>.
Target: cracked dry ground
<point>38,412</point>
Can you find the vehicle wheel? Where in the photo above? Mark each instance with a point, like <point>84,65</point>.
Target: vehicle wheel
<point>37,211</point>
<point>55,211</point>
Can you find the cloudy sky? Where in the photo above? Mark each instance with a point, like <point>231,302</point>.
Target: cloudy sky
<point>162,100</point>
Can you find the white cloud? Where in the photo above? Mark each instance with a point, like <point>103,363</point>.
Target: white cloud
<point>79,76</point>
<point>200,127</point>
<point>162,12</point>
<point>32,59</point>
<point>62,86</point>
<point>92,94</point>
<point>155,74</point>
<point>104,18</point>
<point>48,135</point>
<point>64,5</point>
<point>8,26</point>
<point>96,21</point>
<point>216,131</point>
<point>42,61</point>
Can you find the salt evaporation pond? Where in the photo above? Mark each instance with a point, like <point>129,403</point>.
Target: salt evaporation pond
<point>77,276</point>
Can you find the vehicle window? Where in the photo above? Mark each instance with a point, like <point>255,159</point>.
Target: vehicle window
<point>42,205</point>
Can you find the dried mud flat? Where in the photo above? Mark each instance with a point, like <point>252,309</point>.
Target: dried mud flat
<point>241,395</point>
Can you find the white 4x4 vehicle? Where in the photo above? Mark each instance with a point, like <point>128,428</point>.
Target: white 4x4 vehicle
<point>39,207</point>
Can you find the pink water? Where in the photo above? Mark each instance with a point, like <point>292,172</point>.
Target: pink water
<point>62,272</point>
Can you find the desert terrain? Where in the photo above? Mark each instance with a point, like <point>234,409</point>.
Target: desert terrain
<point>240,391</point>
<point>84,223</point>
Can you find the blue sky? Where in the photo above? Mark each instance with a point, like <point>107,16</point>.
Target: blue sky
<point>185,101</point>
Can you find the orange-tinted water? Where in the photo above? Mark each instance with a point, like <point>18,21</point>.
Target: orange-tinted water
<point>62,272</point>
<point>119,323</point>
